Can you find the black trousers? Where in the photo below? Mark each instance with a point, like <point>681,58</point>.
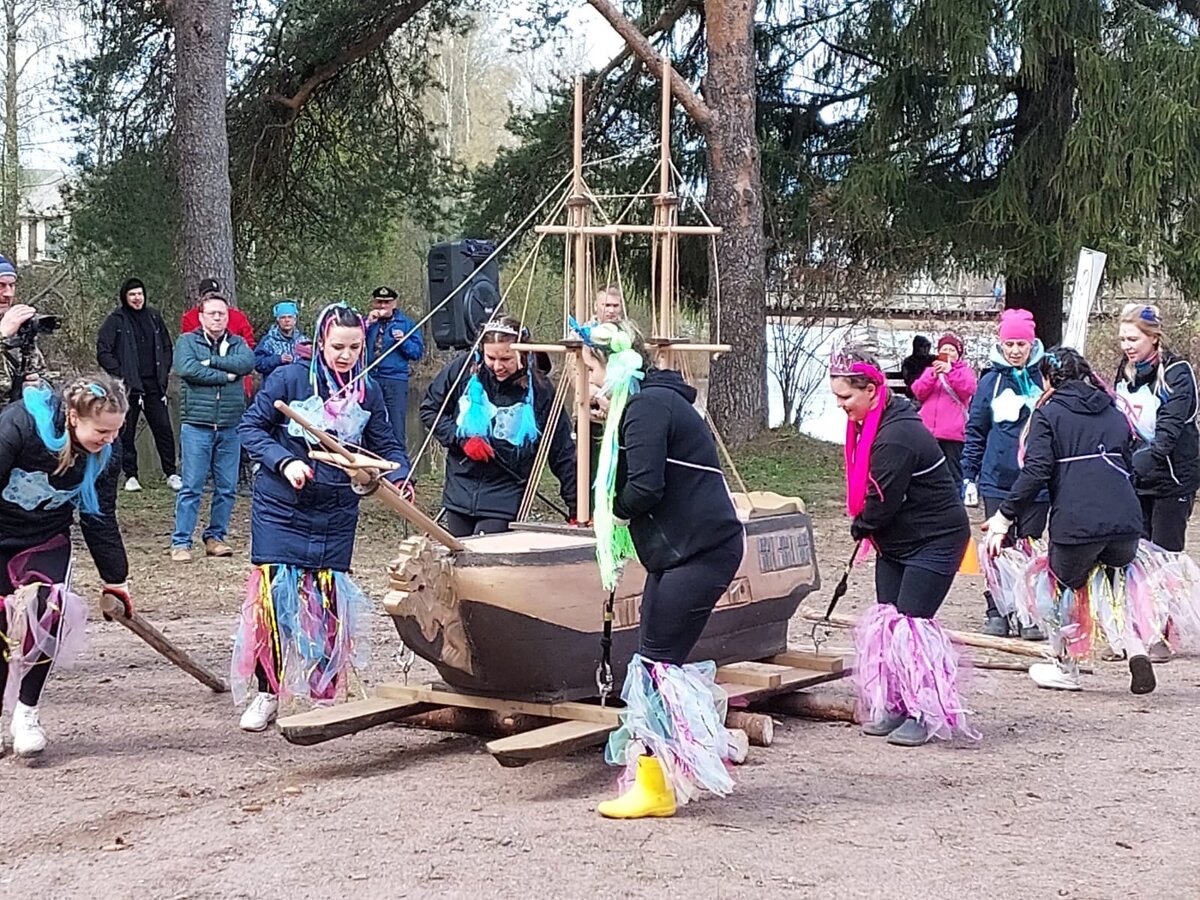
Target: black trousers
<point>912,590</point>
<point>1164,520</point>
<point>461,525</point>
<point>1071,563</point>
<point>677,602</point>
<point>51,564</point>
<point>158,417</point>
<point>952,450</point>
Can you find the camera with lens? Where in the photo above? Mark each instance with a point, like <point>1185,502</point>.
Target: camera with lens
<point>28,333</point>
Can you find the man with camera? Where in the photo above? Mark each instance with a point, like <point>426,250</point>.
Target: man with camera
<point>20,359</point>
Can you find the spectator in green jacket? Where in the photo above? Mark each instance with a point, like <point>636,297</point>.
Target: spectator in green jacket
<point>210,361</point>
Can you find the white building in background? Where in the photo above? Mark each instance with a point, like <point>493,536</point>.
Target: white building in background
<point>42,217</point>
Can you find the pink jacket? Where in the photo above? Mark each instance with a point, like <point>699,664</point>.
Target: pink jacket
<point>942,415</point>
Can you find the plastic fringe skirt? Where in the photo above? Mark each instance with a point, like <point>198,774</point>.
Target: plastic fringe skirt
<point>305,628</point>
<point>677,713</point>
<point>52,632</point>
<point>1155,597</point>
<point>907,665</point>
<point>1005,577</point>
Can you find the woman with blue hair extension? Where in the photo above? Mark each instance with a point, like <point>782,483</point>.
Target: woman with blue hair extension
<point>304,622</point>
<point>55,458</point>
<point>488,408</point>
<point>660,494</point>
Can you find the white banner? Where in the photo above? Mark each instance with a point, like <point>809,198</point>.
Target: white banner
<point>1087,281</point>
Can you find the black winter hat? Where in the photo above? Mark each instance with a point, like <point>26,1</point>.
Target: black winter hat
<point>130,285</point>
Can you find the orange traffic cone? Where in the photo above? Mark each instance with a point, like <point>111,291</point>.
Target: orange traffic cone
<point>970,560</point>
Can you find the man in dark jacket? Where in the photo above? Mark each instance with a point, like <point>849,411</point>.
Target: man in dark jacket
<point>210,361</point>
<point>920,360</point>
<point>135,346</point>
<point>387,327</point>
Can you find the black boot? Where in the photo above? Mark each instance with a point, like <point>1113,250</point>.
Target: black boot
<point>995,625</point>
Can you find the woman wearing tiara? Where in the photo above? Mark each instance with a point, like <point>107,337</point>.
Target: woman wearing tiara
<point>488,408</point>
<point>903,502</point>
<point>304,622</point>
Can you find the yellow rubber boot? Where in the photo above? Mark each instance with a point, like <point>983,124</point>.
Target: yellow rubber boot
<point>649,796</point>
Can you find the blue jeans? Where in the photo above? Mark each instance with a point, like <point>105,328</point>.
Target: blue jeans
<point>203,452</point>
<point>395,398</point>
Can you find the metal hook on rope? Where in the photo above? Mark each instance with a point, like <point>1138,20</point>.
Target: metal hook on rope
<point>405,657</point>
<point>604,676</point>
<point>820,630</point>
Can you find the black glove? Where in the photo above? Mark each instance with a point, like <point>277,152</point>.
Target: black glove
<point>858,531</point>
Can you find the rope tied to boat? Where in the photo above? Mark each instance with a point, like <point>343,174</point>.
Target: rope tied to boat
<point>604,676</point>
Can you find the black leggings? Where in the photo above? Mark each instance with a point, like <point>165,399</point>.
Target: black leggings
<point>52,564</point>
<point>677,602</point>
<point>952,450</point>
<point>461,525</point>
<point>1164,520</point>
<point>1071,563</point>
<point>912,590</point>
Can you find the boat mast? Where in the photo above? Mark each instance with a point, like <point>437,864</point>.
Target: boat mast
<point>579,216</point>
<point>665,238</point>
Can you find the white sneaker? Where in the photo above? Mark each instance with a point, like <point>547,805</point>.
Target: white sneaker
<point>28,737</point>
<point>1053,676</point>
<point>133,484</point>
<point>174,482</point>
<point>260,713</point>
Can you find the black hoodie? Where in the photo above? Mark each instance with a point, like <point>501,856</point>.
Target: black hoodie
<point>126,337</point>
<point>669,480</point>
<point>912,499</point>
<point>1080,446</point>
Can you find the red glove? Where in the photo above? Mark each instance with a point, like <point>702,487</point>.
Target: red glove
<point>121,592</point>
<point>407,492</point>
<point>478,449</point>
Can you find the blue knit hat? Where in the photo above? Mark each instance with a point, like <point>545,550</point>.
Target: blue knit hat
<point>7,269</point>
<point>285,308</point>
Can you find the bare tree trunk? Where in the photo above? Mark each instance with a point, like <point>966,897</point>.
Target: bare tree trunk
<point>202,143</point>
<point>12,149</point>
<point>737,385</point>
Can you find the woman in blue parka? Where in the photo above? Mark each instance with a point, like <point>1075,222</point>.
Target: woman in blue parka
<point>304,621</point>
<point>1006,396</point>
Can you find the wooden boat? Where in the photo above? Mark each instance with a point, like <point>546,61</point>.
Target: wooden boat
<point>519,615</point>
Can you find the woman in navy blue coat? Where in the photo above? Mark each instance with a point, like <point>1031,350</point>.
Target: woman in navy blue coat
<point>304,621</point>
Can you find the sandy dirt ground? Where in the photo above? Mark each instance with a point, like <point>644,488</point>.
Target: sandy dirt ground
<point>149,790</point>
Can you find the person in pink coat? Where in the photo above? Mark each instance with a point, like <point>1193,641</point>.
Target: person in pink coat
<point>945,390</point>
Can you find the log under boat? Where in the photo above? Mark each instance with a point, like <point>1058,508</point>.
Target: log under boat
<point>519,615</point>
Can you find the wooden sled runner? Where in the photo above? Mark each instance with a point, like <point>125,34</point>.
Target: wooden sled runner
<point>525,731</point>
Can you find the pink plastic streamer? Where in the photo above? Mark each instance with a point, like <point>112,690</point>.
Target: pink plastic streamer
<point>907,665</point>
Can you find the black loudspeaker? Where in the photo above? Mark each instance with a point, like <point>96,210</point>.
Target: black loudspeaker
<point>456,324</point>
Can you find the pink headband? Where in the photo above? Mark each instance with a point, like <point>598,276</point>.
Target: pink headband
<point>866,370</point>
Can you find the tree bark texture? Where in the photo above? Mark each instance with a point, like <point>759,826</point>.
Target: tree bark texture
<point>737,384</point>
<point>12,149</point>
<point>205,240</point>
<point>1045,113</point>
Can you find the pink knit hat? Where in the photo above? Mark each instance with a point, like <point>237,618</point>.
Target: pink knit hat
<point>1017,325</point>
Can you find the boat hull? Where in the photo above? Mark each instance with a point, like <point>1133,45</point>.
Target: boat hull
<point>527,624</point>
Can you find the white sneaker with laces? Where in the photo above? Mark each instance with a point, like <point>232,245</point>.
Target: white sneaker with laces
<point>28,737</point>
<point>260,713</point>
<point>174,482</point>
<point>1053,676</point>
<point>133,484</point>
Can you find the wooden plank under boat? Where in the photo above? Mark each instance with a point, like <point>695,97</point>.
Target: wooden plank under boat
<point>520,614</point>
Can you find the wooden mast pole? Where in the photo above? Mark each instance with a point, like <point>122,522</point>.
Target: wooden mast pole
<point>665,218</point>
<point>579,214</point>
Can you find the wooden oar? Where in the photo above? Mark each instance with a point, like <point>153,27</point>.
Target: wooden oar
<point>114,609</point>
<point>388,493</point>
